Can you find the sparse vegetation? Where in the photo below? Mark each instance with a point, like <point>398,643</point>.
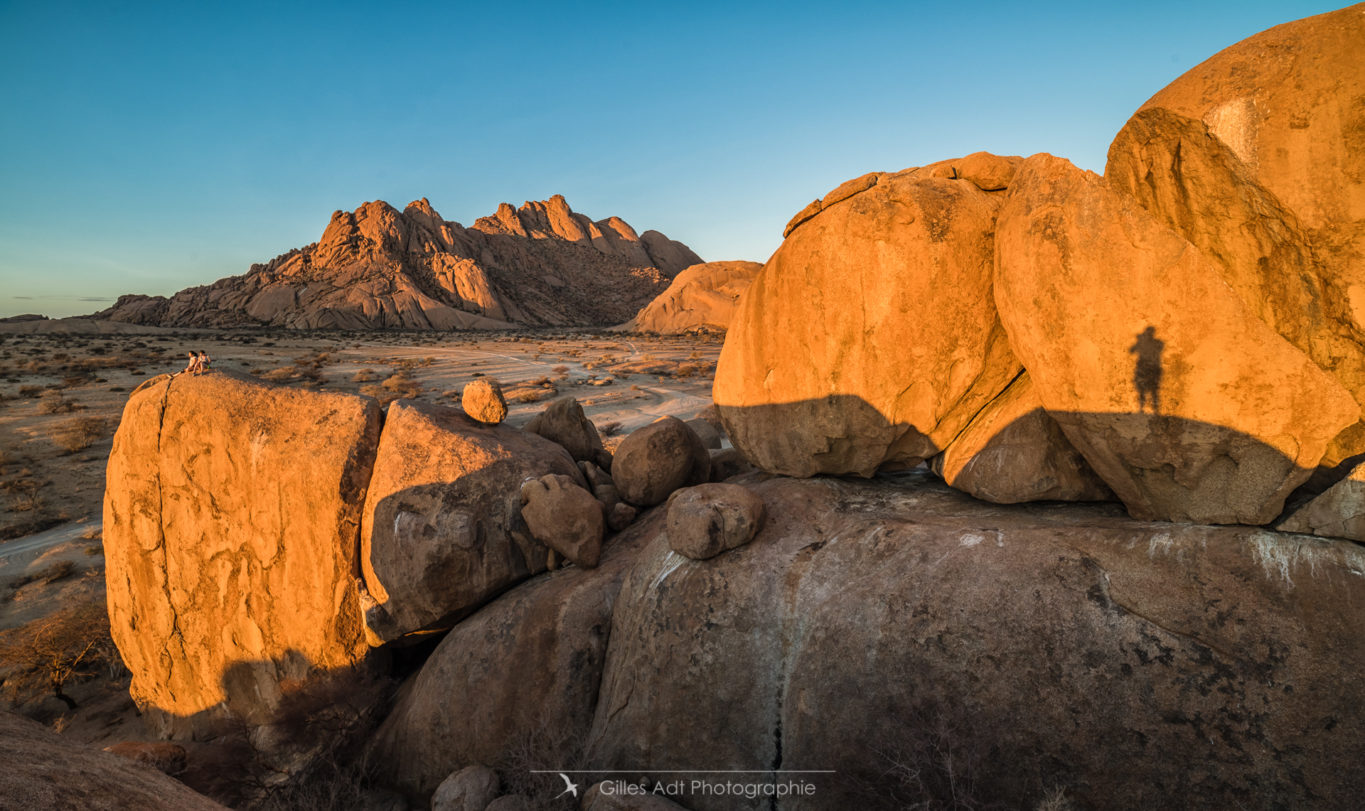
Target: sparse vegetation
<point>43,657</point>
<point>80,433</point>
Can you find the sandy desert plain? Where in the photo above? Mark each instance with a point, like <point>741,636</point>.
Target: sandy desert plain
<point>62,392</point>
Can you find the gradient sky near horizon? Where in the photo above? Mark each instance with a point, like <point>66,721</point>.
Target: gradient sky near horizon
<point>148,147</point>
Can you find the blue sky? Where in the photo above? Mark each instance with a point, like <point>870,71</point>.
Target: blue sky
<point>148,147</point>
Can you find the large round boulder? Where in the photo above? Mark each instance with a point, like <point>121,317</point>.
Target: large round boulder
<point>870,338</point>
<point>1257,157</point>
<point>929,649</point>
<point>1185,402</point>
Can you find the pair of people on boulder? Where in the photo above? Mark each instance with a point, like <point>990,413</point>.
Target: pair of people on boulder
<point>199,363</point>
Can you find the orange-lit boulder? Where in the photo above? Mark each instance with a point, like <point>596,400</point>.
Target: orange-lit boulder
<point>1179,396</point>
<point>703,297</point>
<point>231,522</point>
<point>870,338</point>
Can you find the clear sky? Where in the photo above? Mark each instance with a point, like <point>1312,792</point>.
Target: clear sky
<point>147,147</point>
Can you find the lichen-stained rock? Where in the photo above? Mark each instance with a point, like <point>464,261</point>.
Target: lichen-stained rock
<point>1013,452</point>
<point>703,297</point>
<point>870,338</point>
<point>231,520</point>
<point>879,623</point>
<point>520,675</point>
<point>1339,512</point>
<point>1180,398</point>
<point>442,530</point>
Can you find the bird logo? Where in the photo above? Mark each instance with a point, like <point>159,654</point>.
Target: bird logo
<point>571,786</point>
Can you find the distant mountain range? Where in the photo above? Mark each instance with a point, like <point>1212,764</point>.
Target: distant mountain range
<point>381,268</point>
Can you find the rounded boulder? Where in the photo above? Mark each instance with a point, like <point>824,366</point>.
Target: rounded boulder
<point>657,459</point>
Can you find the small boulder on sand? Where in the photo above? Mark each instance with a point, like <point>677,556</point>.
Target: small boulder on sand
<point>482,399</point>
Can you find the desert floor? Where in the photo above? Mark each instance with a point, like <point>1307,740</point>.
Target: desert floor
<point>61,395</point>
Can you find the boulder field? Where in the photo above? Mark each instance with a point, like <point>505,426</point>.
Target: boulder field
<point>863,629</point>
<point>1183,341</point>
<point>1189,324</point>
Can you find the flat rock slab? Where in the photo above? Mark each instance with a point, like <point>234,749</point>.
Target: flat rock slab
<point>880,623</point>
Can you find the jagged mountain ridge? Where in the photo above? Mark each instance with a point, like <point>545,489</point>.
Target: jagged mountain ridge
<point>377,268</point>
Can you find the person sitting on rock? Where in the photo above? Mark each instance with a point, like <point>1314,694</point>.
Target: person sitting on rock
<point>204,361</point>
<point>193,366</point>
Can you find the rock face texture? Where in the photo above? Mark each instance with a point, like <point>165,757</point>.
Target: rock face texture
<point>1337,513</point>
<point>872,623</point>
<point>378,267</point>
<point>1188,405</point>
<point>871,336</point>
<point>44,771</point>
<point>442,530</point>
<point>465,708</point>
<point>701,298</point>
<point>230,534</point>
<point>1013,452</point>
<point>1257,157</point>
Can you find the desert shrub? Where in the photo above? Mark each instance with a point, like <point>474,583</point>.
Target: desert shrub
<point>30,391</point>
<point>80,433</point>
<point>364,376</point>
<point>24,494</point>
<point>52,402</point>
<point>44,656</point>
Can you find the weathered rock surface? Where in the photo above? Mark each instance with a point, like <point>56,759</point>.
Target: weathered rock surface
<point>231,517</point>
<point>482,399</point>
<point>377,267</point>
<point>657,459</point>
<point>708,519</point>
<point>472,788</point>
<point>728,463</point>
<point>1339,512</point>
<point>1287,102</point>
<point>871,337</point>
<point>522,672</point>
<point>442,530</point>
<point>877,622</point>
<point>1257,157</point>
<point>565,517</point>
<point>1013,452</point>
<point>564,422</point>
<point>41,771</point>
<point>1115,315</point>
<point>703,297</point>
